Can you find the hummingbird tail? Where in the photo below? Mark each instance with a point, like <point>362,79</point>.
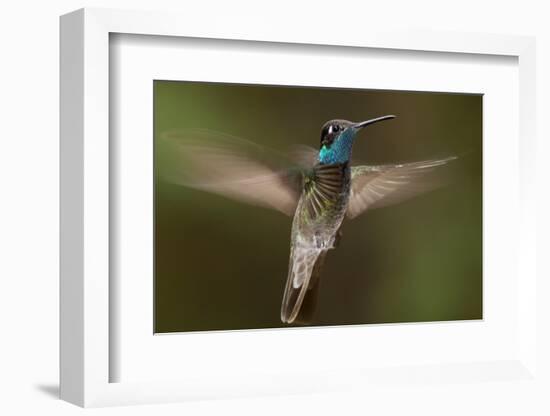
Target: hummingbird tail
<point>302,287</point>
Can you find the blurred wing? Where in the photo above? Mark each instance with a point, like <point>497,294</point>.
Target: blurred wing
<point>377,186</point>
<point>229,166</point>
<point>303,274</point>
<point>304,155</point>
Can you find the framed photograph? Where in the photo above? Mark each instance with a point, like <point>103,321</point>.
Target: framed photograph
<point>419,261</point>
<point>284,213</point>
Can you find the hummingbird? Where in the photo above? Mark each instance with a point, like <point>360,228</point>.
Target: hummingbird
<point>319,189</point>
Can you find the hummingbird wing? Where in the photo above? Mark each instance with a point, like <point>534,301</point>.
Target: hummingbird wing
<point>304,155</point>
<point>229,166</point>
<point>302,283</point>
<point>378,186</point>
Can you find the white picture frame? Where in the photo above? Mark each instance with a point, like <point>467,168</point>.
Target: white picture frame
<point>86,301</point>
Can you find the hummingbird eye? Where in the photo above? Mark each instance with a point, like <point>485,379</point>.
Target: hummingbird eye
<point>329,133</point>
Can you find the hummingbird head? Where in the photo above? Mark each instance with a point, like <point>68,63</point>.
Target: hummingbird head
<point>337,138</point>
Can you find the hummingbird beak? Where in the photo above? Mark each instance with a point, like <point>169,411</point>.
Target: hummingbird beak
<point>362,124</point>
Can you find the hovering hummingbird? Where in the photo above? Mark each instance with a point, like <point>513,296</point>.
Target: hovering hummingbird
<point>320,189</point>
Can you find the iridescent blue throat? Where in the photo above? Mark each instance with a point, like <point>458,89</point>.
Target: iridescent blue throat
<point>339,151</point>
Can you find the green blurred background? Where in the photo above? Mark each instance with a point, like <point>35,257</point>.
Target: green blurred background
<point>221,264</point>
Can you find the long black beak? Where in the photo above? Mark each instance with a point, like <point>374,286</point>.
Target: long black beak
<point>362,124</point>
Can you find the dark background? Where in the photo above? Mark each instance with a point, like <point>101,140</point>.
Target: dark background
<point>221,264</point>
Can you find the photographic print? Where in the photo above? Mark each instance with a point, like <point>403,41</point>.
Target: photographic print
<point>284,206</point>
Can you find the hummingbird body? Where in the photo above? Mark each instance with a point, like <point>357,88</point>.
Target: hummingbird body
<point>320,192</point>
<point>322,205</point>
<point>319,215</point>
<point>325,191</point>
